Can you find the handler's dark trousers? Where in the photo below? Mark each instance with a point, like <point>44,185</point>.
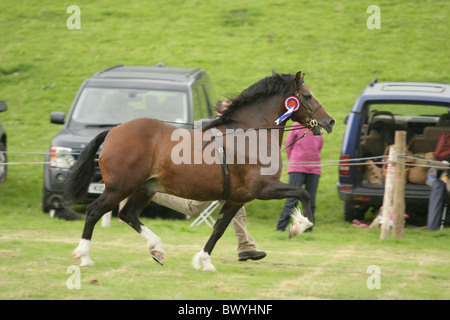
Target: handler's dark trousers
<point>438,198</point>
<point>311,182</point>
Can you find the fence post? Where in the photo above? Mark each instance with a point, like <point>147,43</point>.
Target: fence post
<point>388,193</point>
<point>398,230</point>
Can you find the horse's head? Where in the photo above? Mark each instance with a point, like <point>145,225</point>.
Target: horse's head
<point>310,113</point>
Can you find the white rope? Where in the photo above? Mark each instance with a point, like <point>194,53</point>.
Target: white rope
<point>348,162</point>
<point>37,153</point>
<point>20,163</point>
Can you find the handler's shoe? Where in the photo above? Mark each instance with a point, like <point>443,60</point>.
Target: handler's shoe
<point>253,255</point>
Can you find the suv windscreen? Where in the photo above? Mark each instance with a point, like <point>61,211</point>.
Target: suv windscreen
<point>110,106</point>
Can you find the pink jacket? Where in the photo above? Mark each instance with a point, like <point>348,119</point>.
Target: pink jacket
<point>304,150</point>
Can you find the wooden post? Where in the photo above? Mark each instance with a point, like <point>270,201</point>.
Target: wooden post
<point>398,230</point>
<point>388,193</point>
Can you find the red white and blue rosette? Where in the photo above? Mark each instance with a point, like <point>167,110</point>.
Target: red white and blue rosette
<point>291,104</point>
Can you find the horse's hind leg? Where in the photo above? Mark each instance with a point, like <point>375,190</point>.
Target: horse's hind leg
<point>202,259</point>
<point>95,210</point>
<point>130,214</point>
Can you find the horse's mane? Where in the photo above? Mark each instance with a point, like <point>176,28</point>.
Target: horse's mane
<point>269,86</point>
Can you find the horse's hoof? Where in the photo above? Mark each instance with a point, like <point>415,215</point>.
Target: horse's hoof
<point>203,260</point>
<point>85,261</point>
<point>158,257</point>
<point>76,255</point>
<point>299,223</point>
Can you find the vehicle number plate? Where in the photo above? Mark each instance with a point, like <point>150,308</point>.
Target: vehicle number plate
<point>97,188</point>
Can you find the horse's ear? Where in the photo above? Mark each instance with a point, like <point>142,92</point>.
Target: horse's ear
<point>274,72</point>
<point>298,76</point>
<point>303,77</point>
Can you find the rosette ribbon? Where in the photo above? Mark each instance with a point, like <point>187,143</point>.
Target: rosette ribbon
<point>291,104</point>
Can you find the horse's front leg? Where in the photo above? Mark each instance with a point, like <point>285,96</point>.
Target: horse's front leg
<point>203,258</point>
<point>280,190</point>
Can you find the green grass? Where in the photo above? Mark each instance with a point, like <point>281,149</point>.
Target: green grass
<point>43,64</point>
<point>330,263</point>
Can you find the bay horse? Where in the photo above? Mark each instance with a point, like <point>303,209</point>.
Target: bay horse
<point>136,161</point>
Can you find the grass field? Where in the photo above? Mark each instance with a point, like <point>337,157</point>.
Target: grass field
<point>43,63</point>
<point>330,263</point>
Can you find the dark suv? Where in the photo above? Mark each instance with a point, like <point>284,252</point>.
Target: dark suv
<point>421,109</point>
<point>3,156</point>
<point>118,94</point>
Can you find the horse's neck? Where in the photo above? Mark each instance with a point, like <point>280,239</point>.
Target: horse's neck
<point>259,115</point>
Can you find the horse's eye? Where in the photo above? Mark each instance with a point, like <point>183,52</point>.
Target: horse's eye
<point>307,96</point>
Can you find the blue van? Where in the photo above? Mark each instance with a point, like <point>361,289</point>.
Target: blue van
<point>422,109</point>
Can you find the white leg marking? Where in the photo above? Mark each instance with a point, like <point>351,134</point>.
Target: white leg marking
<point>154,242</point>
<point>82,252</point>
<point>203,259</point>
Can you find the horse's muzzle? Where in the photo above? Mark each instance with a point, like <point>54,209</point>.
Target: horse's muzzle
<point>328,126</point>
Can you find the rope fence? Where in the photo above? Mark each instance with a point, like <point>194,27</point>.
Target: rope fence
<point>326,163</point>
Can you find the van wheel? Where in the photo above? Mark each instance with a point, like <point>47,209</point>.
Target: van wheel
<point>354,210</point>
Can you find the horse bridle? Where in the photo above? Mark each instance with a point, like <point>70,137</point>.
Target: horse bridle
<point>311,123</point>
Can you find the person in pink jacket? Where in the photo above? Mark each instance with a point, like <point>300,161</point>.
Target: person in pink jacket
<point>307,149</point>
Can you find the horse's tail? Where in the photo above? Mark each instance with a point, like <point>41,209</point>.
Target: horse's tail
<point>82,173</point>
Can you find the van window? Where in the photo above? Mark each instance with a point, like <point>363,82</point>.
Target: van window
<point>410,109</point>
<point>382,120</point>
<point>409,117</point>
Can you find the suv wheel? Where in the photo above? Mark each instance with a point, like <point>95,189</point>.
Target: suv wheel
<point>3,162</point>
<point>354,210</point>
<point>45,205</point>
